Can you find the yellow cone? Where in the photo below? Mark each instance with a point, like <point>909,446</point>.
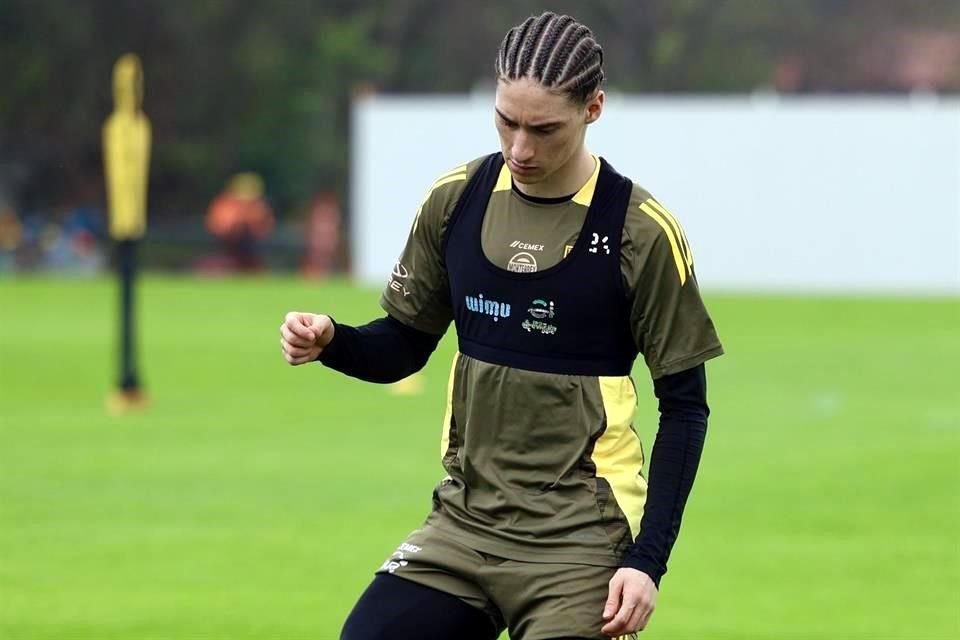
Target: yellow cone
<point>122,402</point>
<point>409,386</point>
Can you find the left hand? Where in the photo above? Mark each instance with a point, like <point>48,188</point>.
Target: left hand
<point>630,602</point>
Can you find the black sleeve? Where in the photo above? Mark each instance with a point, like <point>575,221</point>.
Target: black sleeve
<point>385,350</point>
<point>673,466</point>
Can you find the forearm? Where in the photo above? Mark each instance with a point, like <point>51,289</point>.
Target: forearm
<point>673,468</point>
<point>383,351</point>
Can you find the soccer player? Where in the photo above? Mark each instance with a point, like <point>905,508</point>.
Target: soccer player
<point>557,272</point>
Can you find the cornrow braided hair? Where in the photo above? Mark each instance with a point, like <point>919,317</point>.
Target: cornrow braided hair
<point>556,51</point>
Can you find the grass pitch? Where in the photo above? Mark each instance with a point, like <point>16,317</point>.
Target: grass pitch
<point>253,500</point>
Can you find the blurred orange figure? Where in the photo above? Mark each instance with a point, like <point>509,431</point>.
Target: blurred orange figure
<point>322,236</point>
<point>11,232</point>
<point>241,218</point>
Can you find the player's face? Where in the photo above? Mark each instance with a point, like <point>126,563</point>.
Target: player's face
<point>541,131</point>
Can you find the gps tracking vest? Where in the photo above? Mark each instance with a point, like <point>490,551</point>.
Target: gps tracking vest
<point>572,318</point>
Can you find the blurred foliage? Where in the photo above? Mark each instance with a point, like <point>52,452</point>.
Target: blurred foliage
<point>233,85</point>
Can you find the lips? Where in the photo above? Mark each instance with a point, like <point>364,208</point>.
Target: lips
<point>520,168</point>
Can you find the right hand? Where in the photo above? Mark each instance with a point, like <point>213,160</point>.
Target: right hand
<point>304,335</point>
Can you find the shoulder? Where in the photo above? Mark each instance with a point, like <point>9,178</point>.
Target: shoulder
<point>442,196</point>
<point>450,184</point>
<point>644,215</point>
<point>652,231</point>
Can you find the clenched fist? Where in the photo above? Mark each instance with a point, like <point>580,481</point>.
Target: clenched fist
<point>304,335</point>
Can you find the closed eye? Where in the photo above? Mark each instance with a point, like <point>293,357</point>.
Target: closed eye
<point>510,124</point>
<point>543,130</point>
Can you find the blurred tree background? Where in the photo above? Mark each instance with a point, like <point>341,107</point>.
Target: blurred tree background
<point>234,85</point>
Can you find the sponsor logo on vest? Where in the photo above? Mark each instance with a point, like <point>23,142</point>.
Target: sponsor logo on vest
<point>526,246</point>
<point>523,262</point>
<point>491,308</point>
<point>540,310</point>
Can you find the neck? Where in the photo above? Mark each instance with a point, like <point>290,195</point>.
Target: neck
<point>566,180</point>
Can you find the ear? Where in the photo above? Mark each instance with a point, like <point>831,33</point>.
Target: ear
<point>595,107</point>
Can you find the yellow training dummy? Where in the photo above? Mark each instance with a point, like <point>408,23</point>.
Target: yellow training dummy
<point>126,152</point>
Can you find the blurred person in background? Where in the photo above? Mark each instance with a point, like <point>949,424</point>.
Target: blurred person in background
<point>82,231</point>
<point>241,218</point>
<point>322,236</point>
<point>557,272</point>
<point>83,226</point>
<point>11,235</point>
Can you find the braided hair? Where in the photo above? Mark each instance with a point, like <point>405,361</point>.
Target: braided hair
<point>556,51</point>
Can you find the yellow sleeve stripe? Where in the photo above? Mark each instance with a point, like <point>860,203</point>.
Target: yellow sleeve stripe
<point>678,257</point>
<point>461,169</point>
<point>687,254</point>
<point>446,178</point>
<point>416,220</point>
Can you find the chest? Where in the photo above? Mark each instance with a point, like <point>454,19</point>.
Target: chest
<point>521,237</point>
<point>549,299</point>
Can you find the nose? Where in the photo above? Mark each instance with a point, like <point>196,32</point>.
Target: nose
<point>522,148</point>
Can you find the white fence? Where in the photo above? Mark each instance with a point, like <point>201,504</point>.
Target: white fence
<point>799,194</point>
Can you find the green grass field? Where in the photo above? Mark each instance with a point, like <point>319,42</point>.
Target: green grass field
<point>253,500</point>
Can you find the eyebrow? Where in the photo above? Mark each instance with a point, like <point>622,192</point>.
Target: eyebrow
<point>539,125</point>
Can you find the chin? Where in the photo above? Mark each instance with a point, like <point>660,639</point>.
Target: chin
<point>530,178</point>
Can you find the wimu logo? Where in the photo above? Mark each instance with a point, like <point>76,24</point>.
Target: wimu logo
<point>491,308</point>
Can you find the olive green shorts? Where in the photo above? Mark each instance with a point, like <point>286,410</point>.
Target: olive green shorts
<point>534,600</point>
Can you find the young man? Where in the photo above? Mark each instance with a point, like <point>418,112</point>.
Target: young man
<point>557,272</point>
